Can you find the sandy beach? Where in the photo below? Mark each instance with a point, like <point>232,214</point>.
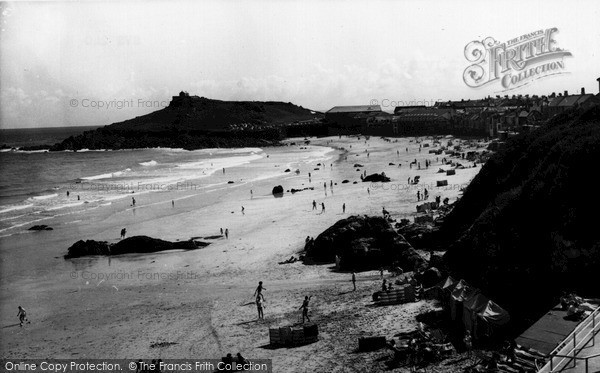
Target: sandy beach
<point>200,303</point>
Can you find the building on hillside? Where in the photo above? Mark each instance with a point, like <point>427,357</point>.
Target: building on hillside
<point>423,121</point>
<point>342,120</point>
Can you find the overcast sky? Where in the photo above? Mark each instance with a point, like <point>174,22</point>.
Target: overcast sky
<point>58,57</point>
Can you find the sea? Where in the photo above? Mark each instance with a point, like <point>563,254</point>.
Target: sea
<point>36,186</point>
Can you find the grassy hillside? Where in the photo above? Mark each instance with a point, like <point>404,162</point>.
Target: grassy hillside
<point>197,122</point>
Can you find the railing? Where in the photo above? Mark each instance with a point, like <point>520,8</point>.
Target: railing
<point>575,358</point>
<point>578,339</point>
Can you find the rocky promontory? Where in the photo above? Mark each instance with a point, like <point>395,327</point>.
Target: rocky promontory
<point>192,122</point>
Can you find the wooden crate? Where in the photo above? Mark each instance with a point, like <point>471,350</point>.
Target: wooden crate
<point>275,337</point>
<point>403,294</point>
<point>285,335</point>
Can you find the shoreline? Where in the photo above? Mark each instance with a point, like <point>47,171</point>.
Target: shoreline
<point>199,309</point>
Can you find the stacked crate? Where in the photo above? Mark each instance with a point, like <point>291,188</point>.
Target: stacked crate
<point>404,294</point>
<point>288,336</point>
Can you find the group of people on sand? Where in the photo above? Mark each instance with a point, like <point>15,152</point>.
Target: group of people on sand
<point>260,303</point>
<point>225,233</point>
<point>314,206</point>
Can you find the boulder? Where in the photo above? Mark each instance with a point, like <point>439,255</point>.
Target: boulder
<point>345,182</point>
<point>431,277</point>
<point>363,243</point>
<point>376,178</point>
<point>40,228</point>
<point>358,165</point>
<point>287,170</point>
<point>424,219</point>
<point>277,190</point>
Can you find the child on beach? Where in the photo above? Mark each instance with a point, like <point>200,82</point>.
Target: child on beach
<point>227,233</point>
<point>304,308</point>
<point>22,316</point>
<point>259,306</point>
<point>259,289</point>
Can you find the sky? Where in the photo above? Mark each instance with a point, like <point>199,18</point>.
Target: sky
<point>98,62</point>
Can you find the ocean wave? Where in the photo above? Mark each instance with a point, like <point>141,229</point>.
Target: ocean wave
<point>149,163</point>
<point>45,196</point>
<point>14,208</point>
<point>106,176</point>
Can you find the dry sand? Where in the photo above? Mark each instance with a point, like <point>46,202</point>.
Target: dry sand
<point>200,302</point>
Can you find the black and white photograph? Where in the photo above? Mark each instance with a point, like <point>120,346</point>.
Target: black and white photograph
<point>300,186</point>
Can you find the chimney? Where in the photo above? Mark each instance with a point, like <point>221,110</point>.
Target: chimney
<point>583,90</point>
<point>598,80</point>
<point>566,93</point>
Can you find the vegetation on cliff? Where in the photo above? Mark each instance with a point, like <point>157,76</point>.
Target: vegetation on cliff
<point>192,122</point>
<point>526,227</point>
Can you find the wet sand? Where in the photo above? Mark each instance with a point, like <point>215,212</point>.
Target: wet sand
<point>201,300</point>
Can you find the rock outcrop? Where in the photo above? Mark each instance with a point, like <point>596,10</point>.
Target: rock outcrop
<point>376,177</point>
<point>363,243</point>
<point>135,244</point>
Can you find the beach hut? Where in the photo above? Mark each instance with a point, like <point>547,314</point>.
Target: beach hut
<point>462,291</point>
<point>490,320</point>
<point>471,307</point>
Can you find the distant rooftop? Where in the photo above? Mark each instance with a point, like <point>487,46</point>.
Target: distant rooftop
<point>355,109</point>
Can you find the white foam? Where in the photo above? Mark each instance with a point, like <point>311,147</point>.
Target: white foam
<point>47,196</point>
<point>149,163</point>
<point>14,208</point>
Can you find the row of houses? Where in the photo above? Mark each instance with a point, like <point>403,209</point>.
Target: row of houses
<point>491,116</point>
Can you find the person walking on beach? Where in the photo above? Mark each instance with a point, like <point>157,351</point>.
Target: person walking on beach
<point>354,281</point>
<point>322,207</point>
<point>251,195</point>
<point>173,203</point>
<point>344,208</point>
<point>418,195</point>
<point>304,308</point>
<point>243,213</point>
<point>22,315</point>
<point>223,169</point>
<point>132,201</point>
<point>227,233</point>
<point>368,191</point>
<point>314,204</point>
<point>426,194</point>
<point>123,233</point>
